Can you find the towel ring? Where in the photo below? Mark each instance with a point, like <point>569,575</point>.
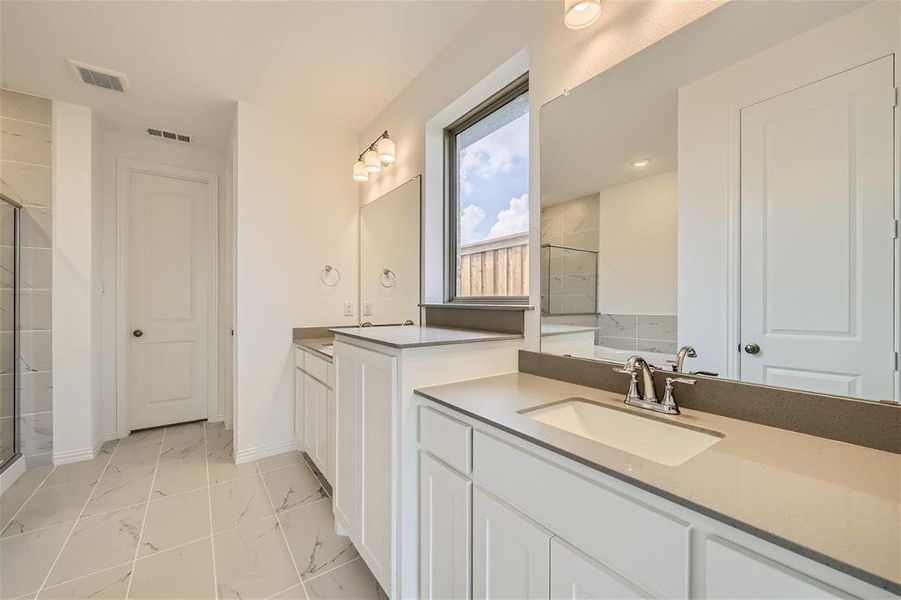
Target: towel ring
<point>330,276</point>
<point>387,278</point>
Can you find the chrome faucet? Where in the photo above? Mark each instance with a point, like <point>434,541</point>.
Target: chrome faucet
<point>683,353</point>
<point>647,398</point>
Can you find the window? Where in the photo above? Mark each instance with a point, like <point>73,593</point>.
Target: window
<point>487,181</point>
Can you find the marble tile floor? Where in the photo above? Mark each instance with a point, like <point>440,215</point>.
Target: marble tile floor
<point>164,513</point>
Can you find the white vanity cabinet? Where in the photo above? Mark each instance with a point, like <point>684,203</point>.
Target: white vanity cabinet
<point>544,526</point>
<point>314,410</point>
<point>377,484</point>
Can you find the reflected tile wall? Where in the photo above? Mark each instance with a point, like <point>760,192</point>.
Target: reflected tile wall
<point>648,333</point>
<point>569,278</point>
<point>25,171</point>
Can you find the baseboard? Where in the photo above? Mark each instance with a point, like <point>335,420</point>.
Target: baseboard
<point>259,452</point>
<point>110,436</point>
<point>77,455</point>
<point>11,473</point>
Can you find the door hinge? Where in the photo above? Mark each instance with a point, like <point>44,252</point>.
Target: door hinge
<point>897,97</point>
<point>895,229</point>
<point>895,360</point>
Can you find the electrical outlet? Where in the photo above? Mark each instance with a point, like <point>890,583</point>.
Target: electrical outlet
<point>367,309</point>
<point>349,308</point>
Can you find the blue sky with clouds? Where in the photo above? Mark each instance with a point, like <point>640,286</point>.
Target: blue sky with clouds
<point>493,183</point>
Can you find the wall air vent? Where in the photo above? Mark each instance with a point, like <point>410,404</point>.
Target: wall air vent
<point>168,135</point>
<point>98,76</point>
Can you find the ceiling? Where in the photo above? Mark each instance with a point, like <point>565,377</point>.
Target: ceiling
<point>590,137</point>
<point>188,62</point>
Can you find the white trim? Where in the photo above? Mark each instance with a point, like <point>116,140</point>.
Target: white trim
<point>12,472</point>
<point>77,455</point>
<point>125,167</point>
<point>265,451</point>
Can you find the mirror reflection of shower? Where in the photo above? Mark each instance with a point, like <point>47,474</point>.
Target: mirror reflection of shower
<point>9,330</point>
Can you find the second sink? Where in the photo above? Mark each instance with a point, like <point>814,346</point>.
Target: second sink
<point>666,443</point>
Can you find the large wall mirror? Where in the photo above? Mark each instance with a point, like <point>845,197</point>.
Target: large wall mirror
<point>734,188</point>
<point>390,250</point>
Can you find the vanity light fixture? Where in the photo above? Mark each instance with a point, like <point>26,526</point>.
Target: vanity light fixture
<point>641,163</point>
<point>378,155</point>
<point>579,14</point>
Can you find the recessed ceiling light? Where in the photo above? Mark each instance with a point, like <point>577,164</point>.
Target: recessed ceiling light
<point>641,163</point>
<point>581,13</point>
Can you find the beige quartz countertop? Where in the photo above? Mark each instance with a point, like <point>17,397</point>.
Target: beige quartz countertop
<point>321,346</point>
<point>413,336</point>
<point>834,502</point>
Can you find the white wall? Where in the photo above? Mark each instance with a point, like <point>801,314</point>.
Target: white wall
<point>708,165</point>
<point>637,259</point>
<point>113,147</point>
<point>74,279</point>
<point>296,211</point>
<point>559,58</point>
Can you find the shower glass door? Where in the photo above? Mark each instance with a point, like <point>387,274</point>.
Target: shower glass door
<point>9,330</point>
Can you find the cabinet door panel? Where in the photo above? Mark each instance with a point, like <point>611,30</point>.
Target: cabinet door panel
<point>330,436</point>
<point>376,390</point>
<point>299,409</point>
<point>445,513</point>
<point>345,481</point>
<point>735,572</point>
<point>510,554</point>
<point>309,417</point>
<point>574,576</point>
<point>314,393</point>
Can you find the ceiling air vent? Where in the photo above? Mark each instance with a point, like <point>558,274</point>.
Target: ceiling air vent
<point>168,135</point>
<point>98,76</point>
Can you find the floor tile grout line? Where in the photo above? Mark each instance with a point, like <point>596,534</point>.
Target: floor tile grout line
<point>209,498</point>
<point>75,523</point>
<point>281,529</point>
<point>335,568</point>
<point>30,496</point>
<point>84,516</point>
<point>134,561</point>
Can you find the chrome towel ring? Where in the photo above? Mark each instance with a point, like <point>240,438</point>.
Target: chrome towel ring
<point>330,276</point>
<point>387,278</point>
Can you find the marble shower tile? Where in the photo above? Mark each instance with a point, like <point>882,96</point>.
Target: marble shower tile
<point>176,520</point>
<point>316,547</point>
<point>118,489</point>
<point>36,433</point>
<point>657,327</point>
<point>26,559</point>
<point>50,506</point>
<point>253,561</point>
<point>618,325</point>
<point>24,142</point>
<point>29,184</point>
<point>662,346</point>
<point>36,350</point>
<point>35,268</point>
<point>99,542</point>
<point>36,227</point>
<point>25,107</point>
<point>239,502</point>
<point>351,581</point>
<point>290,487</point>
<point>110,584</point>
<point>35,392</point>
<point>618,342</point>
<point>185,572</point>
<point>34,310</point>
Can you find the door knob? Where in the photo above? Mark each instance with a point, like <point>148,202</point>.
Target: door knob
<point>752,348</point>
<point>137,333</point>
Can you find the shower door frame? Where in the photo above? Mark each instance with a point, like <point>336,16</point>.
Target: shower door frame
<point>17,208</point>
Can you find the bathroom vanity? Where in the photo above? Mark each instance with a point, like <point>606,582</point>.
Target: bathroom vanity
<point>376,468</point>
<point>314,403</point>
<point>516,505</point>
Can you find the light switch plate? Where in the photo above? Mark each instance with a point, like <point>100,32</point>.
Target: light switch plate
<point>349,308</point>
<point>367,309</point>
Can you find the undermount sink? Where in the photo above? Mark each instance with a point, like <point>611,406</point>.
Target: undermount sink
<point>664,442</point>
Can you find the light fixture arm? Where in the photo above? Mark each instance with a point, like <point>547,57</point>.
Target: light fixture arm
<point>383,136</point>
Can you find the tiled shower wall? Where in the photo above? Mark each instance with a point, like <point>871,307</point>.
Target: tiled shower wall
<point>569,279</point>
<point>25,171</point>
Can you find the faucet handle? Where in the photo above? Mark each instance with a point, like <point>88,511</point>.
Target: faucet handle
<point>669,401</point>
<point>632,394</point>
<point>624,370</point>
<point>671,380</point>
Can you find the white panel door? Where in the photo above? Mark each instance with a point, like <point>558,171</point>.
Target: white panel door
<point>445,524</point>
<point>510,553</point>
<point>575,576</point>
<point>346,448</point>
<point>169,300</point>
<point>817,255</point>
<point>376,390</point>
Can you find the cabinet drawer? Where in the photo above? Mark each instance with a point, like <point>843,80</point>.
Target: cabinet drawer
<point>448,439</point>
<point>316,367</point>
<point>299,357</point>
<point>622,533</point>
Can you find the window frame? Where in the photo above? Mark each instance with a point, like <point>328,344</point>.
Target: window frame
<point>495,102</point>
